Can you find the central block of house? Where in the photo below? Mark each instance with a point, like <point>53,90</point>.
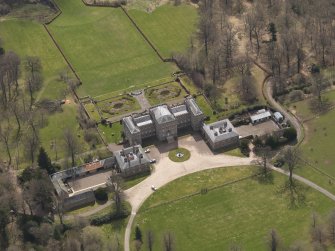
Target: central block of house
<point>163,121</point>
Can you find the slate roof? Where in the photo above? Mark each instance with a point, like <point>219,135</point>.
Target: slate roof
<point>193,106</point>
<point>143,120</point>
<point>131,157</point>
<point>162,114</point>
<point>221,130</point>
<point>128,121</point>
<point>179,110</point>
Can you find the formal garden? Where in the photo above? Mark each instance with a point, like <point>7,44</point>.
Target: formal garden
<point>163,93</point>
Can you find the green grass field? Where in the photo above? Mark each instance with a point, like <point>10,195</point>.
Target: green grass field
<point>206,108</point>
<point>29,38</point>
<point>242,213</point>
<point>105,49</point>
<point>302,108</point>
<point>55,131</point>
<point>111,134</point>
<point>317,148</point>
<point>169,27</point>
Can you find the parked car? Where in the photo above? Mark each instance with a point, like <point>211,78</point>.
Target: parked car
<point>152,161</point>
<point>147,150</point>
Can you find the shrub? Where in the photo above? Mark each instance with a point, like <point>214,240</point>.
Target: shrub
<point>101,194</point>
<point>296,95</point>
<point>272,141</point>
<point>108,218</point>
<point>290,134</point>
<point>244,147</point>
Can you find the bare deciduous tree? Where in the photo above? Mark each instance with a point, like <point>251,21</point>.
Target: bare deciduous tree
<point>71,144</point>
<point>150,240</point>
<point>168,242</point>
<point>292,158</point>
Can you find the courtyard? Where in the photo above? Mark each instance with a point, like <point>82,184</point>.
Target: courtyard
<point>260,129</point>
<point>90,181</point>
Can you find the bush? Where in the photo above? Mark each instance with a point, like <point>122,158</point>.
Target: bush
<point>101,194</point>
<point>244,147</point>
<point>290,134</point>
<point>272,141</point>
<point>108,218</point>
<point>296,95</point>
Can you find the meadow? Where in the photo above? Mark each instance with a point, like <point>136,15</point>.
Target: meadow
<point>29,38</point>
<point>105,49</point>
<point>242,213</point>
<point>168,27</point>
<point>317,147</point>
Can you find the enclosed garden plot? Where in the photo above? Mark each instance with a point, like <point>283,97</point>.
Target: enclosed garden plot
<point>118,106</point>
<point>165,93</point>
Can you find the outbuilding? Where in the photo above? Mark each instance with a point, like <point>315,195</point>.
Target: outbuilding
<point>260,116</point>
<point>278,117</point>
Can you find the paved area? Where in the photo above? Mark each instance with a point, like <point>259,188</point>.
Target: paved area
<point>90,181</point>
<point>142,100</point>
<point>260,129</point>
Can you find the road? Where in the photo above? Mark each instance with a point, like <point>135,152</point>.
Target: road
<point>267,92</point>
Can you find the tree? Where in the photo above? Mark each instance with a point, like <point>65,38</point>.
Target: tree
<point>9,75</point>
<point>71,144</point>
<point>33,74</point>
<point>290,134</point>
<point>273,240</point>
<point>150,240</point>
<point>331,226</point>
<point>44,161</point>
<point>38,194</point>
<point>168,242</point>
<point>114,183</point>
<point>5,136</point>
<point>273,32</point>
<point>291,157</point>
<point>138,234</point>
<point>31,142</point>
<point>93,239</point>
<point>10,204</point>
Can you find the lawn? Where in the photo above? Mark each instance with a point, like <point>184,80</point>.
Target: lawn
<point>177,22</point>
<point>105,49</point>
<point>111,134</point>
<point>164,93</point>
<point>206,108</point>
<point>184,155</point>
<point>318,146</point>
<point>242,213</point>
<point>29,38</point>
<point>52,135</point>
<point>302,108</point>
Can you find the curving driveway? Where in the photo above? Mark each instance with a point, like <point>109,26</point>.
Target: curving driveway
<point>166,171</point>
<point>267,92</point>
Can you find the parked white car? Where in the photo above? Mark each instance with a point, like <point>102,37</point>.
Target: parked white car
<point>147,150</point>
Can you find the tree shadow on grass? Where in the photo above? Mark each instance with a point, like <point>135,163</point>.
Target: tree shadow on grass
<point>295,193</point>
<point>263,176</point>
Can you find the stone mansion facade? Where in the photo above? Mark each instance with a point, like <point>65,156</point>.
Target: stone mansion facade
<point>163,121</point>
